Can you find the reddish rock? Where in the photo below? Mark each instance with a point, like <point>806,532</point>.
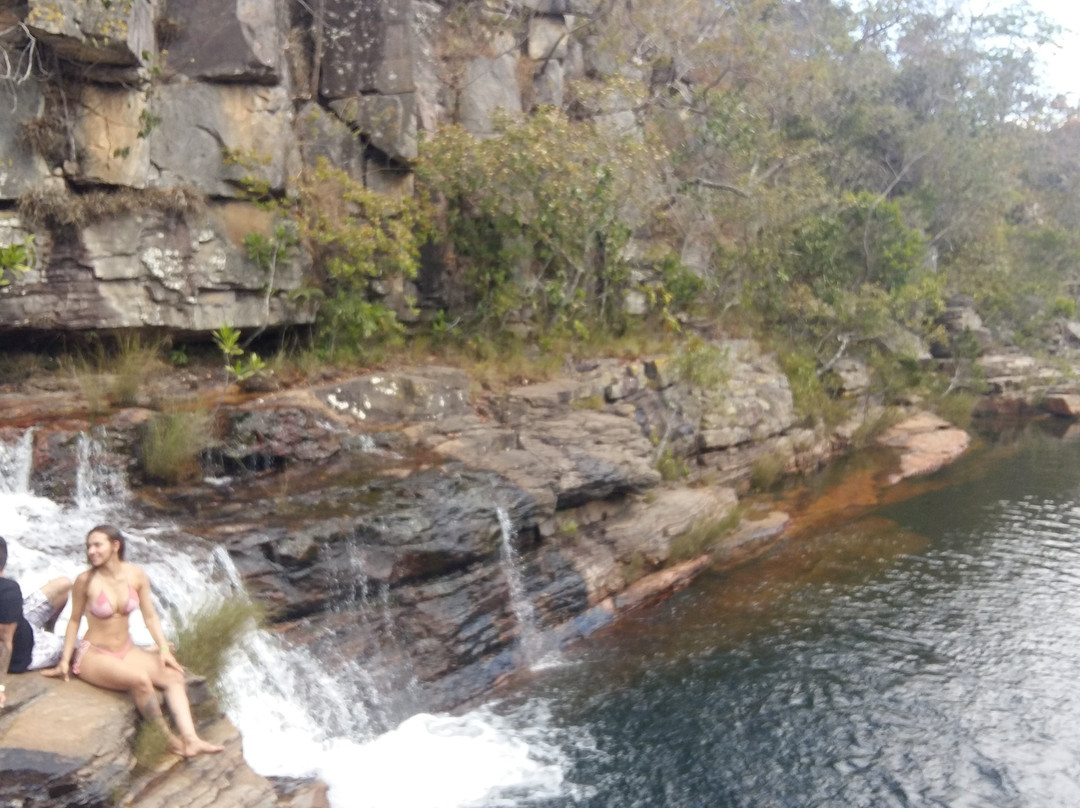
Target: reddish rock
<point>1066,405</point>
<point>926,444</point>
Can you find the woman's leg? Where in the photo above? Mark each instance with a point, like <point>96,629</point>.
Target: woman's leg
<point>171,682</point>
<point>104,670</point>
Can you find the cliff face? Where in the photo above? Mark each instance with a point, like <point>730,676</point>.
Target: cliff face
<point>133,130</point>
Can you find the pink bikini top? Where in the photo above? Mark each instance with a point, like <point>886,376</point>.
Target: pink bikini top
<point>102,608</point>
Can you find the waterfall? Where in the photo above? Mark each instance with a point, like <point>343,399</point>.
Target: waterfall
<point>97,484</point>
<point>529,638</point>
<point>15,464</point>
<point>299,716</point>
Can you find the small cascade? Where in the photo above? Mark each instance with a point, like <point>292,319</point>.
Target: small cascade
<point>299,714</point>
<point>387,684</point>
<point>530,644</point>
<point>98,484</point>
<point>16,462</point>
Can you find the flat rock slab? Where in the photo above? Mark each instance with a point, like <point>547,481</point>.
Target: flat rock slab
<point>926,444</point>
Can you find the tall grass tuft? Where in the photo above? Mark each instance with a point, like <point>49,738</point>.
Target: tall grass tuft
<point>133,361</point>
<point>173,443</point>
<point>151,744</point>
<point>767,469</point>
<point>114,375</point>
<point>957,408</point>
<point>204,641</point>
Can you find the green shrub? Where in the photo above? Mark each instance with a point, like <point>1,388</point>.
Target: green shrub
<point>766,469</point>
<point>870,428</point>
<point>173,443</point>
<point>539,216</point>
<point>957,408</point>
<point>671,467</point>
<point>701,364</point>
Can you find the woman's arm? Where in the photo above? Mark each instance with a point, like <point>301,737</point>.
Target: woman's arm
<point>78,606</point>
<point>150,617</point>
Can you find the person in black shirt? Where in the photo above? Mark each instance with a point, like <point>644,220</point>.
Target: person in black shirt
<point>25,642</point>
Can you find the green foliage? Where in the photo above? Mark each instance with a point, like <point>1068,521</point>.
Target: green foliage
<point>133,361</point>
<point>206,637</point>
<point>569,527</point>
<point>151,745</point>
<point>862,240</point>
<point>266,251</point>
<point>173,443</point>
<point>539,217</point>
<point>957,408</point>
<point>16,259</point>
<point>239,364</point>
<point>766,469</point>
<point>148,122</point>
<point>701,364</point>
<point>357,237</point>
<point>671,466</point>
<point>113,372</point>
<point>810,398</point>
<point>683,285</point>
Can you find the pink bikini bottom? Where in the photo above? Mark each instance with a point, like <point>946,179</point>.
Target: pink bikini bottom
<point>84,646</point>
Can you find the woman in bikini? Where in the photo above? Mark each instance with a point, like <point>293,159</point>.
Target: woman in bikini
<point>107,593</point>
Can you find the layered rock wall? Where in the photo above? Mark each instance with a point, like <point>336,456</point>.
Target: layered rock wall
<point>112,108</point>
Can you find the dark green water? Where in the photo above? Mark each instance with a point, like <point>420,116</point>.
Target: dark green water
<point>924,654</point>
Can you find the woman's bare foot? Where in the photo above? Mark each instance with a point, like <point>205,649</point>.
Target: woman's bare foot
<point>176,746</point>
<point>197,746</point>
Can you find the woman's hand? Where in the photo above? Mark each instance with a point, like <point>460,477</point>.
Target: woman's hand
<point>167,658</point>
<point>59,672</point>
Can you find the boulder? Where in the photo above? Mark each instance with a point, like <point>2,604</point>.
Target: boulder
<point>219,137</point>
<point>368,48</point>
<point>548,37</point>
<point>116,33</point>
<point>926,444</point>
<point>155,267</point>
<point>848,377</point>
<point>426,394</point>
<point>111,126</point>
<point>323,135</point>
<point>68,744</point>
<point>237,40</point>
<point>387,121</point>
<point>1065,404</point>
<point>490,84</point>
<point>549,84</point>
<point>21,168</point>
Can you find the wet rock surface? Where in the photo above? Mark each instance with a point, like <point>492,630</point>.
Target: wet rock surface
<point>68,744</point>
<point>365,513</point>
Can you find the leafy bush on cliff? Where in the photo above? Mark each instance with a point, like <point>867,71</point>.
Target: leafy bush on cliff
<point>539,217</point>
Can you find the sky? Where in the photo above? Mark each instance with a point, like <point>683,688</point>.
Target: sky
<point>1062,64</point>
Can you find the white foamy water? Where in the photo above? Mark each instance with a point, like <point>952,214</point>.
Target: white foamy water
<point>297,718</point>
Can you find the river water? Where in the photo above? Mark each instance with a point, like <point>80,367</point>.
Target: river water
<point>924,653</point>
<point>917,652</point>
